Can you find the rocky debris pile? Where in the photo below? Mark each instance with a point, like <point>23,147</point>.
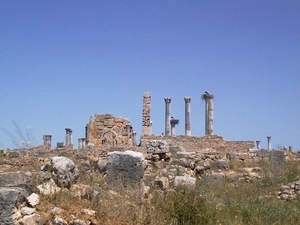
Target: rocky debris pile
<point>17,197</point>
<point>290,191</point>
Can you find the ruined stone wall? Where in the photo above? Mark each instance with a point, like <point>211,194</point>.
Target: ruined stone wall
<point>205,143</point>
<point>108,130</point>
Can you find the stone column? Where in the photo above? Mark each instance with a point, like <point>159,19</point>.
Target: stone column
<point>133,138</point>
<point>167,116</point>
<point>47,141</point>
<point>173,122</point>
<point>269,143</point>
<point>83,142</point>
<point>209,113</point>
<point>146,127</point>
<point>79,143</point>
<point>68,137</point>
<point>210,117</point>
<point>187,101</point>
<point>128,128</point>
<point>258,144</point>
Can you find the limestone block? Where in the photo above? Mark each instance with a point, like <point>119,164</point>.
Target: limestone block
<point>59,221</point>
<point>102,165</point>
<point>125,169</point>
<point>108,116</point>
<point>27,210</point>
<point>80,222</point>
<point>8,179</point>
<point>55,210</point>
<point>48,187</point>
<point>157,146</point>
<point>207,165</point>
<point>100,117</point>
<point>200,170</point>
<point>120,120</point>
<point>33,219</point>
<point>214,177</point>
<point>89,212</point>
<point>222,164</point>
<point>162,183</point>
<point>33,199</point>
<point>189,182</point>
<point>10,197</point>
<point>109,122</point>
<point>64,171</point>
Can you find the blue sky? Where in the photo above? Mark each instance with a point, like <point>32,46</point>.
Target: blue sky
<point>63,61</point>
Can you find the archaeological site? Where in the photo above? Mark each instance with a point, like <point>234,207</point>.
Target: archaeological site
<point>112,176</point>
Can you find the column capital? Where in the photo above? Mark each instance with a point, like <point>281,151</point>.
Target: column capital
<point>187,99</point>
<point>68,130</point>
<point>167,99</point>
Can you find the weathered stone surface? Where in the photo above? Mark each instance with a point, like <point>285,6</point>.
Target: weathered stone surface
<point>125,169</point>
<point>14,154</point>
<point>222,164</point>
<point>55,210</point>
<point>64,171</point>
<point>59,221</point>
<point>83,191</point>
<point>101,165</point>
<point>200,170</point>
<point>80,222</point>
<point>27,210</point>
<point>157,146</point>
<point>48,187</point>
<point>33,199</point>
<point>215,177</point>
<point>206,165</point>
<point>189,182</point>
<point>107,130</point>
<point>10,197</point>
<point>33,219</point>
<point>89,212</point>
<point>162,183</point>
<point>13,179</point>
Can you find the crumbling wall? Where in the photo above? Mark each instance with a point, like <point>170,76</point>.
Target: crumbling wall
<point>205,143</point>
<point>108,130</point>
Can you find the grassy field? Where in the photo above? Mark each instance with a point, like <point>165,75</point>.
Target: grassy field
<point>225,202</point>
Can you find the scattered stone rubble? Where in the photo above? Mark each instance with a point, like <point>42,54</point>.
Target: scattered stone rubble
<point>161,162</point>
<point>290,191</point>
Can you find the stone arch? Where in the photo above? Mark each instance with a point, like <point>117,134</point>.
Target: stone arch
<point>109,137</point>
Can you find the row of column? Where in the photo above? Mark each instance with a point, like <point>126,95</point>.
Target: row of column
<point>171,122</point>
<point>68,143</point>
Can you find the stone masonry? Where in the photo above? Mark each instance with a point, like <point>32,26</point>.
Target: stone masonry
<point>108,130</point>
<point>205,143</point>
<point>146,114</point>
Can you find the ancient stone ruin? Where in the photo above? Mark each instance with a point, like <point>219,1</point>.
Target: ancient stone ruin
<point>106,129</point>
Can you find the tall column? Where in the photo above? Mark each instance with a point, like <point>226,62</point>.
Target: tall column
<point>133,138</point>
<point>269,143</point>
<point>167,115</point>
<point>146,126</point>
<point>68,137</point>
<point>258,144</point>
<point>173,122</point>
<point>187,101</point>
<point>79,143</point>
<point>209,113</point>
<point>83,142</point>
<point>47,141</point>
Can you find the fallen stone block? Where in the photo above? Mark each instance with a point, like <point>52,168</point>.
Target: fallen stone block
<point>125,169</point>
